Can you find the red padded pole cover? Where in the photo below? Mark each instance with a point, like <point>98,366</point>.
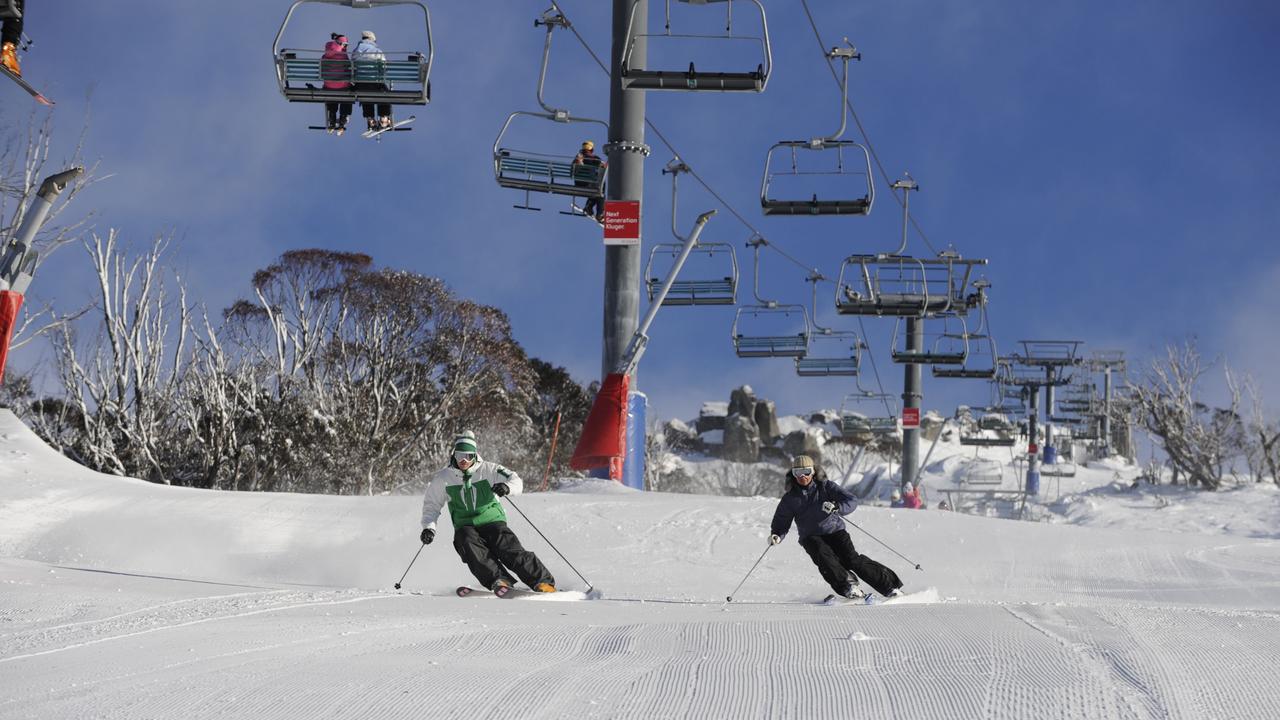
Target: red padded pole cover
<point>603,443</point>
<point>10,303</point>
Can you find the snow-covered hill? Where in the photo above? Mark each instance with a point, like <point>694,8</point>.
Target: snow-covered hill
<point>126,599</point>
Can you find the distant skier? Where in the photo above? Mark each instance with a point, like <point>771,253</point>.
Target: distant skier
<point>10,36</point>
<point>895,498</point>
<point>911,497</point>
<point>471,487</point>
<point>814,505</point>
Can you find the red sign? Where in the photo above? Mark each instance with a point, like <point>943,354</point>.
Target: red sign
<point>910,418</point>
<point>1032,449</point>
<point>621,222</point>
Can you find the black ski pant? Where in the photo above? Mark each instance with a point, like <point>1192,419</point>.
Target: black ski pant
<point>373,110</point>
<point>12,31</point>
<point>492,552</point>
<point>336,114</point>
<point>836,557</point>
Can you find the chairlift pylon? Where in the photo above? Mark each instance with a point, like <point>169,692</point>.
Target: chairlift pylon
<point>692,79</point>
<point>843,201</point>
<point>722,290</point>
<point>301,73</point>
<point>554,173</point>
<point>817,365</point>
<point>773,344</point>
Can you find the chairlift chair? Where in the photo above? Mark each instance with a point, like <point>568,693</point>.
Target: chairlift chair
<point>768,344</point>
<point>693,79</point>
<point>973,432</point>
<point>718,289</point>
<point>1051,353</point>
<point>854,423</point>
<point>301,73</point>
<point>841,364</point>
<point>981,362</point>
<point>950,346</point>
<point>848,179</point>
<point>553,173</point>
<point>894,285</point>
<point>694,291</point>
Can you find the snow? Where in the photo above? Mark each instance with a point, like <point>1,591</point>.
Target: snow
<point>131,600</point>
<point>714,408</point>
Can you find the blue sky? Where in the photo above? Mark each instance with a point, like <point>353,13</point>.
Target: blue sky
<point>1116,162</point>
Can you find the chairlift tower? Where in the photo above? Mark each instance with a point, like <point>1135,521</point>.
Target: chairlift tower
<point>1106,361</point>
<point>1047,364</point>
<point>626,151</point>
<point>912,290</point>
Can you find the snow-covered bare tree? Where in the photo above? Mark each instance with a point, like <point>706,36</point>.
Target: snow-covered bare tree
<point>1263,450</point>
<point>121,384</point>
<point>1198,439</point>
<point>369,373</point>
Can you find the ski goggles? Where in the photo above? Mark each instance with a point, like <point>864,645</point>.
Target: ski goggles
<point>801,472</point>
<point>467,456</point>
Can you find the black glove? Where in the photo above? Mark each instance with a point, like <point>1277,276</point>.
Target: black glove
<point>428,535</point>
<point>501,489</point>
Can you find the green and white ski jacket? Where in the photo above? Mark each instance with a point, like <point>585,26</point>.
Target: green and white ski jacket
<point>469,495</point>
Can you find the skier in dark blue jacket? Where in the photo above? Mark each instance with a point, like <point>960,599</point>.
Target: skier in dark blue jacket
<point>812,503</point>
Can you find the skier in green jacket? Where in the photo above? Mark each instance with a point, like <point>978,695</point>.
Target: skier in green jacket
<point>471,487</point>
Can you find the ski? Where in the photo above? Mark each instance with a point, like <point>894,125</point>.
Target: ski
<point>26,86</point>
<point>512,593</point>
<point>926,596</point>
<point>396,127</point>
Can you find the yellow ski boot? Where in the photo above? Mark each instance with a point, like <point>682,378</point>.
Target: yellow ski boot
<point>9,58</point>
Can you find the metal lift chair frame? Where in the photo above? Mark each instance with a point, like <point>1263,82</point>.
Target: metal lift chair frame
<point>692,79</point>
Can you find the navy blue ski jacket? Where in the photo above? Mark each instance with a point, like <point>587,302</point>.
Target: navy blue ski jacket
<point>804,507</point>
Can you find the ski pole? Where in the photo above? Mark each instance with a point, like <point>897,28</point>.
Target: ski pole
<point>590,587</point>
<point>411,562</point>
<point>873,537</point>
<point>744,578</point>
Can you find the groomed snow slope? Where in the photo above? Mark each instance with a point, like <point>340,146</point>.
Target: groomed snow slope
<point>126,599</point>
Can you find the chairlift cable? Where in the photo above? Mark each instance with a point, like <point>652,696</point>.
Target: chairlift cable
<point>857,121</point>
<point>874,369</point>
<point>649,123</point>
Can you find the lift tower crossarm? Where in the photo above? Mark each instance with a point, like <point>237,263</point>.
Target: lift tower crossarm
<point>640,340</point>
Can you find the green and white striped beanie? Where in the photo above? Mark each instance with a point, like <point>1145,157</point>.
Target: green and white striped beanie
<point>465,442</point>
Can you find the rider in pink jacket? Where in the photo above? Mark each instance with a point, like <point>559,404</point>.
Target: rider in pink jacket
<point>335,70</point>
<point>911,497</point>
